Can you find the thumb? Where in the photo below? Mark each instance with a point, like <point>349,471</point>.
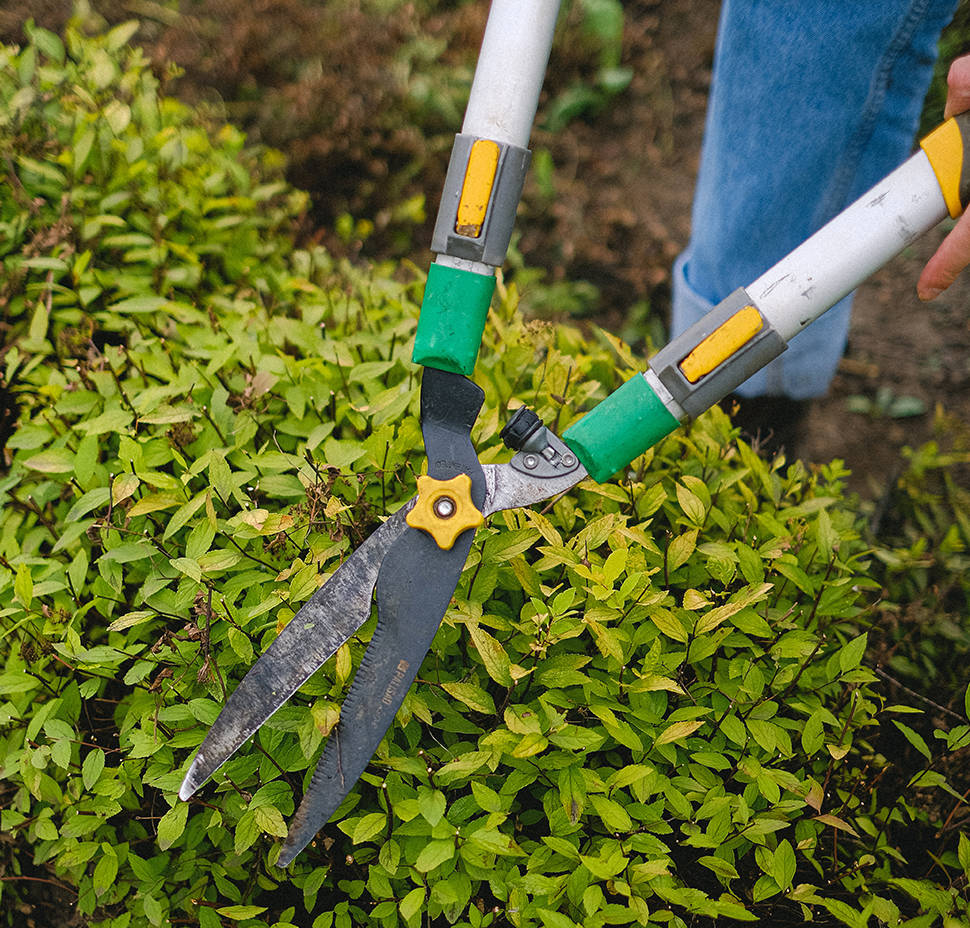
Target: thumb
<point>958,88</point>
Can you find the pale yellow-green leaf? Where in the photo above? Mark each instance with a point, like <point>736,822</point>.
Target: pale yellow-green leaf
<point>130,619</point>
<point>123,487</point>
<point>154,502</point>
<point>836,822</point>
<point>680,549</point>
<point>472,696</point>
<point>493,655</point>
<point>669,624</point>
<point>238,912</point>
<point>677,730</point>
<point>52,461</point>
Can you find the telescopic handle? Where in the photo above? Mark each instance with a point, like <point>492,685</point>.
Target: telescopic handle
<point>484,183</point>
<point>753,325</point>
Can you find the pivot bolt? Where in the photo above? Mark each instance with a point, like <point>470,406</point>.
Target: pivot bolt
<point>445,507</point>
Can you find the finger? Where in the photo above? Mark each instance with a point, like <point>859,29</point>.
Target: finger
<point>950,259</point>
<point>958,88</point>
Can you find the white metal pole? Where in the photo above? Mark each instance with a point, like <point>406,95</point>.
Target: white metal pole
<point>852,247</point>
<point>511,66</point>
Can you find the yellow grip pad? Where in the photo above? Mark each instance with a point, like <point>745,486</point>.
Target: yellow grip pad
<point>944,148</point>
<point>477,188</point>
<point>724,341</point>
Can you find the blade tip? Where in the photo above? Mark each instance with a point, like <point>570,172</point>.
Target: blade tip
<point>191,782</point>
<point>287,856</point>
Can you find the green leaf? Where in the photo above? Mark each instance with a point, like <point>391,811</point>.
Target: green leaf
<point>931,898</point>
<point>432,804</point>
<point>472,696</point>
<point>488,800</point>
<point>461,768</point>
<point>17,681</point>
<point>493,655</point>
<point>130,619</point>
<point>963,853</point>
<point>390,855</point>
<point>495,842</point>
<point>369,827</point>
<point>188,567</point>
<point>52,461</point>
<point>813,733</point>
<point>23,586</point>
<point>680,549</point>
<point>677,731</point>
<point>914,738</point>
<point>153,909</point>
<point>836,822</point>
<point>138,305</point>
<point>172,824</point>
<point>784,864</point>
<point>239,912</point>
<point>92,768</point>
<point>826,535</point>
<point>247,831</point>
<point>93,499</point>
<point>221,478</point>
<point>412,904</point>
<point>693,508</point>
<point>765,888</point>
<point>114,420</point>
<point>550,919</point>
<point>270,820</point>
<point>572,792</point>
<point>105,872</point>
<point>851,655</point>
<point>241,644</point>
<point>155,502</point>
<point>670,625</point>
<point>342,454</point>
<point>434,854</point>
<point>723,868</point>
<point>614,816</point>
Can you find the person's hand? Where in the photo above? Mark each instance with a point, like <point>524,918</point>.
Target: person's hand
<point>954,254</point>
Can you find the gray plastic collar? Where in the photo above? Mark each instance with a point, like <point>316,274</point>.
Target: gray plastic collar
<point>696,398</point>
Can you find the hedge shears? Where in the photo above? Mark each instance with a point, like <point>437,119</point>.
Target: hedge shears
<point>414,560</point>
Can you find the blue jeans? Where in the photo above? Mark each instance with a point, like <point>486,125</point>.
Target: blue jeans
<point>812,102</point>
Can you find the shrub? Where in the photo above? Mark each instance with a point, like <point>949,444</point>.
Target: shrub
<point>922,531</point>
<point>647,705</point>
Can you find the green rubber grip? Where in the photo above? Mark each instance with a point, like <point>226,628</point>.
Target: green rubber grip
<point>628,422</point>
<point>453,316</point>
<point>948,150</point>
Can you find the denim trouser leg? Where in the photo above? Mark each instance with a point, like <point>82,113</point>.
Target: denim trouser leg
<point>812,103</point>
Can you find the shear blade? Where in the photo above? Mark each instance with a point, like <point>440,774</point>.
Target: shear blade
<point>313,635</point>
<point>416,583</point>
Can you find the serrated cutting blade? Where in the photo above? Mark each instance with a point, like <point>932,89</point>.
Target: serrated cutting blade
<point>324,623</point>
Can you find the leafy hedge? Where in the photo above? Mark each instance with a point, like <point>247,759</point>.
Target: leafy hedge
<point>648,703</point>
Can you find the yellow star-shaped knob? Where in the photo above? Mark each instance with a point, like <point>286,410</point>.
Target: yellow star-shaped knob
<point>444,509</point>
